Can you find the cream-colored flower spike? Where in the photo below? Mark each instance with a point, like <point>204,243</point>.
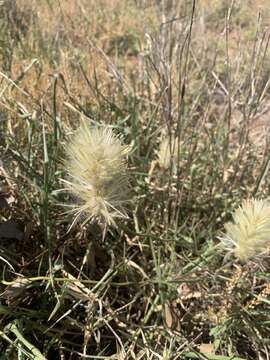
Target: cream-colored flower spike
<point>97,169</point>
<point>168,151</point>
<point>249,233</point>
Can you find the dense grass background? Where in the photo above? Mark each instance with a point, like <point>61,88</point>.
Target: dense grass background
<point>159,286</point>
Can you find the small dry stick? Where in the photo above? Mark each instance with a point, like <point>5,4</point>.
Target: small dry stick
<point>227,301</point>
<point>257,300</point>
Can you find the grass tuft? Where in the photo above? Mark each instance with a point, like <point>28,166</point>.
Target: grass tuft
<point>186,85</point>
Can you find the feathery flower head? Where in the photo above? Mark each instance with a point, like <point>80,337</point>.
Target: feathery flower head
<point>168,151</point>
<point>249,233</point>
<point>97,166</point>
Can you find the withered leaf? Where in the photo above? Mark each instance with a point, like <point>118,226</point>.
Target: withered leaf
<point>16,288</point>
<point>168,316</point>
<point>207,348</point>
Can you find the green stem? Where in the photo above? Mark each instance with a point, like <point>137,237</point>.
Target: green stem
<point>37,354</point>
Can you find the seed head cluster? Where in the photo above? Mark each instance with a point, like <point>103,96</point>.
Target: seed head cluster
<point>96,166</point>
<point>249,233</point>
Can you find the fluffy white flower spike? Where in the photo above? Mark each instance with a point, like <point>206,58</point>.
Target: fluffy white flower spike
<point>97,166</point>
<point>168,151</point>
<point>249,233</point>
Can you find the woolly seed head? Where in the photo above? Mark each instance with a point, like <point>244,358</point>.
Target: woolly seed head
<point>96,166</point>
<point>249,233</point>
<point>168,151</point>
